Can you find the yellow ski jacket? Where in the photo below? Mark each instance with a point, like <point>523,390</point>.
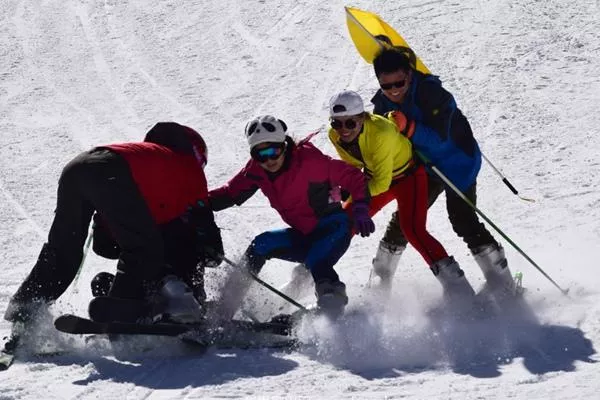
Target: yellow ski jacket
<point>386,153</point>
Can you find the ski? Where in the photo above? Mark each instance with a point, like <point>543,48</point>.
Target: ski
<point>78,325</point>
<point>238,340</point>
<point>233,334</point>
<point>6,360</point>
<point>7,354</point>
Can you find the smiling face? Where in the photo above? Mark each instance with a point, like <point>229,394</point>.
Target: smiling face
<point>348,127</point>
<point>395,84</point>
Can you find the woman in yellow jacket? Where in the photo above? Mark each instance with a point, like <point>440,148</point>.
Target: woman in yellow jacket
<point>375,145</point>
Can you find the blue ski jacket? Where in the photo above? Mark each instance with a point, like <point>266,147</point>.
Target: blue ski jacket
<point>442,132</point>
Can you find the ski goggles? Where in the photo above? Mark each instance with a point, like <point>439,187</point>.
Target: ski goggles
<point>201,158</point>
<point>398,84</point>
<point>349,124</point>
<point>273,152</point>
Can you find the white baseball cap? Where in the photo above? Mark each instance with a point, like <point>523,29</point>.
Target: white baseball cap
<point>346,103</point>
<point>265,129</point>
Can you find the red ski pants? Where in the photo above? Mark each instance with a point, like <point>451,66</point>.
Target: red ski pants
<point>410,193</point>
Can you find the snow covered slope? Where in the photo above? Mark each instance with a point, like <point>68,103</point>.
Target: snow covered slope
<point>74,74</point>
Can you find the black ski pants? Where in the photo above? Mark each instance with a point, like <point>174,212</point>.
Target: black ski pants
<point>463,218</point>
<point>96,180</point>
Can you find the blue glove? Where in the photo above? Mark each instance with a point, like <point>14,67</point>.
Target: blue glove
<point>362,222</point>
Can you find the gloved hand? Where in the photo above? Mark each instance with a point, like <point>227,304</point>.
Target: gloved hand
<point>362,221</point>
<point>209,244</point>
<point>210,252</point>
<point>405,126</point>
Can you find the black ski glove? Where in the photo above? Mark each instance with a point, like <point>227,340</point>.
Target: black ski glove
<point>209,244</point>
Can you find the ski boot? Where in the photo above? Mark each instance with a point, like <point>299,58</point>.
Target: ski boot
<point>331,298</point>
<point>169,300</point>
<point>385,264</point>
<point>174,301</point>
<point>458,292</point>
<point>493,264</point>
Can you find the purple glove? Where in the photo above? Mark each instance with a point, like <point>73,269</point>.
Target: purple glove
<point>362,222</point>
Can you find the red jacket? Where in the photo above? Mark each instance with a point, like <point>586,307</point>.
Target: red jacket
<point>169,180</point>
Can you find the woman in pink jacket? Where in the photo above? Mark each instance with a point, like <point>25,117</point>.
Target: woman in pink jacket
<point>297,179</point>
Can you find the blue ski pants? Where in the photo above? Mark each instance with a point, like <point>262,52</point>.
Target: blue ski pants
<point>319,250</point>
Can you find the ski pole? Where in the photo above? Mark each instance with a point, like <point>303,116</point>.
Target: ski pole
<point>265,284</point>
<point>86,249</point>
<point>505,180</point>
<point>470,203</point>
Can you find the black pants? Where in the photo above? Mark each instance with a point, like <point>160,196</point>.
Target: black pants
<point>463,218</point>
<point>94,180</point>
<point>183,255</point>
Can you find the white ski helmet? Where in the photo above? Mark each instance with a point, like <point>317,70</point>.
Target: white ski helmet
<point>265,129</point>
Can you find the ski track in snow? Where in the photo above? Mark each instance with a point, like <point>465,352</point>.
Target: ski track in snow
<point>79,73</point>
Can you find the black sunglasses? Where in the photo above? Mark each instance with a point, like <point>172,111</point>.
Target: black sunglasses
<point>338,123</point>
<point>273,152</point>
<point>398,84</point>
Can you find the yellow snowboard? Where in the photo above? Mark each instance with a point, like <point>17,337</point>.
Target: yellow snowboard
<point>371,34</point>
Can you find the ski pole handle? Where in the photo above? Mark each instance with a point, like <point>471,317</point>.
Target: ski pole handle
<point>505,180</point>
<point>511,187</point>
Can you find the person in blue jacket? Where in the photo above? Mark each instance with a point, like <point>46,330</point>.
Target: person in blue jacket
<point>443,135</point>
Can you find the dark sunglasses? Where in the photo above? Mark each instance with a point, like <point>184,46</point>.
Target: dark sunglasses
<point>338,123</point>
<point>273,152</point>
<point>398,84</point>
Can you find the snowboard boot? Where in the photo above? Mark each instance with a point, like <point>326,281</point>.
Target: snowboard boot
<point>174,301</point>
<point>493,264</point>
<point>386,262</point>
<point>101,284</point>
<point>458,292</point>
<point>331,298</point>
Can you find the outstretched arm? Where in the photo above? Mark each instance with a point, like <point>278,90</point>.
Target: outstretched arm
<point>235,192</point>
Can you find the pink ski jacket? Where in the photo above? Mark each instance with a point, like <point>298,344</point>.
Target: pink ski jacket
<point>300,191</point>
